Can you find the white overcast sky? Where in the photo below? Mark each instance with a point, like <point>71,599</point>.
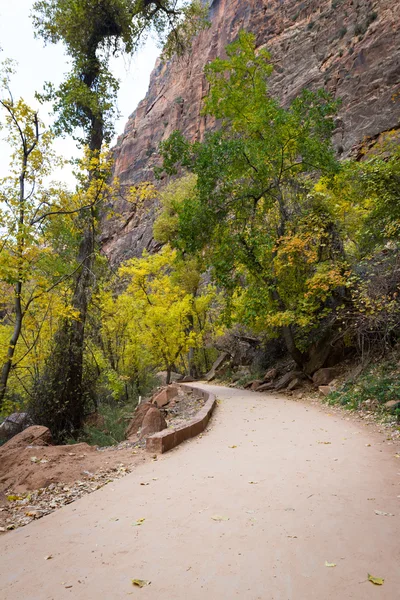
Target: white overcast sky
<point>37,64</point>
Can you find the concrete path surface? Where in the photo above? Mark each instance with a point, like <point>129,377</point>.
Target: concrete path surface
<point>252,510</point>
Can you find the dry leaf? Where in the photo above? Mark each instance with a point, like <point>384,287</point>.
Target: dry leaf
<point>140,582</point>
<point>375,580</point>
<point>253,482</point>
<point>324,443</point>
<point>49,557</point>
<point>328,564</point>
<point>142,483</point>
<point>13,498</point>
<point>219,518</point>
<point>232,446</point>
<point>139,522</point>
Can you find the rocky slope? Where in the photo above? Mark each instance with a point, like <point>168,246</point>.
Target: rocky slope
<point>352,47</point>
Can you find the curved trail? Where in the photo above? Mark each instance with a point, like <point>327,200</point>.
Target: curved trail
<point>291,499</point>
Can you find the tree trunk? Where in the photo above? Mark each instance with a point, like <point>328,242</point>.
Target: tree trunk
<point>5,372</point>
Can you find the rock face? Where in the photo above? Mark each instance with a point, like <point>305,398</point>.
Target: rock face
<point>351,47</point>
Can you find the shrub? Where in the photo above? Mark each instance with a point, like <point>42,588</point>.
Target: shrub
<point>379,384</point>
<point>112,430</point>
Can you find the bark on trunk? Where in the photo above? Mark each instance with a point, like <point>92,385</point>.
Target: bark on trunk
<point>5,372</point>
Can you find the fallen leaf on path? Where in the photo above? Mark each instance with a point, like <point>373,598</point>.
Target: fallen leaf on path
<point>140,582</point>
<point>375,580</point>
<point>253,482</point>
<point>143,483</point>
<point>219,518</point>
<point>368,445</point>
<point>328,564</point>
<point>326,443</point>
<point>232,446</point>
<point>139,522</point>
<point>383,514</point>
<point>49,557</point>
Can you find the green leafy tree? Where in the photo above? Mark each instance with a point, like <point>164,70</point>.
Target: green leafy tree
<point>254,197</point>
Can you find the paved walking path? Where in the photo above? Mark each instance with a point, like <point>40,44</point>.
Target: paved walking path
<point>293,486</point>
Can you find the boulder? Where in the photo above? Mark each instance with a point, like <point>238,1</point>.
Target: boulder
<point>137,419</point>
<point>255,385</point>
<point>325,376</point>
<point>14,424</point>
<point>162,398</point>
<point>270,375</point>
<point>325,390</point>
<point>222,358</point>
<point>284,381</point>
<point>294,384</point>
<point>162,376</point>
<point>392,404</point>
<point>36,435</point>
<point>248,385</point>
<point>153,422</point>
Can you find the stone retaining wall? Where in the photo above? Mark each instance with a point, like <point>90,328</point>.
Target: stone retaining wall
<point>169,438</point>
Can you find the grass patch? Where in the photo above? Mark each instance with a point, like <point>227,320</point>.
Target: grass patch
<point>111,427</point>
<point>377,385</point>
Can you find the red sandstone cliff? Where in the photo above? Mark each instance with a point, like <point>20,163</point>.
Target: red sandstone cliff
<point>352,47</point>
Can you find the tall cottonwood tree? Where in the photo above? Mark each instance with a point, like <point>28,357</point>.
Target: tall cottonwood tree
<point>28,209</point>
<point>252,207</point>
<point>85,103</point>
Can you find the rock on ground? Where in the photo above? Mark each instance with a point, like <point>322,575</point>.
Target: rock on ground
<point>137,420</point>
<point>153,422</point>
<point>36,435</point>
<point>325,376</point>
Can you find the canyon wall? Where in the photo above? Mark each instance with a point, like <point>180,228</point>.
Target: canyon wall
<point>350,47</point>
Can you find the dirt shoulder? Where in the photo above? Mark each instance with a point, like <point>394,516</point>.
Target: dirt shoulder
<point>36,480</point>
